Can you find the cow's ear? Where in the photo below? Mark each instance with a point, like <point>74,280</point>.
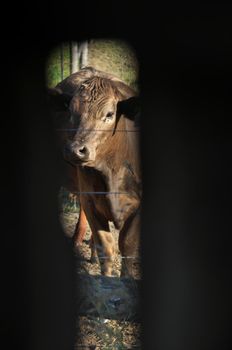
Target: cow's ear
<point>130,107</point>
<point>58,100</point>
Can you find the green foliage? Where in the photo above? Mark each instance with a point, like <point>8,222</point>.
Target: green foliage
<point>112,56</point>
<point>115,57</point>
<point>53,67</point>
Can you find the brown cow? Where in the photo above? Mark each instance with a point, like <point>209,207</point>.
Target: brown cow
<point>69,178</point>
<point>103,144</point>
<point>70,182</point>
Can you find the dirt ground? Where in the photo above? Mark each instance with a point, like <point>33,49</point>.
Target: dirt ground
<point>108,306</point>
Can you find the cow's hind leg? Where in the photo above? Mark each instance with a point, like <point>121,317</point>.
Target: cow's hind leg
<point>80,229</point>
<point>129,245</point>
<point>79,234</point>
<point>94,257</point>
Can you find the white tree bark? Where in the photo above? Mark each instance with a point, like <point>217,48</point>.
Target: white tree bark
<point>79,55</point>
<point>75,57</point>
<point>83,54</point>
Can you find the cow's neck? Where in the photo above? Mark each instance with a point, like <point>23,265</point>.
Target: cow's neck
<point>119,165</point>
<point>120,153</point>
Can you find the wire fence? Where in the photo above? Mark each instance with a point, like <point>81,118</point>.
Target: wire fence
<point>98,130</point>
<point>69,61</point>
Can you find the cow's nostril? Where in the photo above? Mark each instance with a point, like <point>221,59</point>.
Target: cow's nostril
<point>83,152</point>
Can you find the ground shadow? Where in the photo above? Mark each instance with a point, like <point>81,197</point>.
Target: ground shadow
<point>108,297</point>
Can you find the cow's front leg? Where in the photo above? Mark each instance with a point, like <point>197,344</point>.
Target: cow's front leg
<point>129,244</point>
<point>103,239</point>
<point>105,246</point>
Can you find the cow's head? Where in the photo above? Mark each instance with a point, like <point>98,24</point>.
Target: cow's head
<point>96,110</point>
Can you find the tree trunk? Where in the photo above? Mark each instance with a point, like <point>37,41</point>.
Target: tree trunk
<point>84,54</point>
<point>75,63</point>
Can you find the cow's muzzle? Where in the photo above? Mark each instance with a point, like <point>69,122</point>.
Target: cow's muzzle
<point>77,153</point>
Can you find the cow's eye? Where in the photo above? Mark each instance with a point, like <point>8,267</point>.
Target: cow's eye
<point>109,117</point>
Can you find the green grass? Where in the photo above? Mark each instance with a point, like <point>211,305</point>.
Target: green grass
<point>112,56</point>
<point>53,65</point>
<point>115,57</point>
